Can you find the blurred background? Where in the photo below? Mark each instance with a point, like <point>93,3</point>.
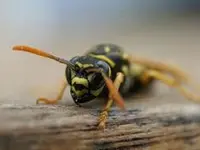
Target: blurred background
<point>165,30</point>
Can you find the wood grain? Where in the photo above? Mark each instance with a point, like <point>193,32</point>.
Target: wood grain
<point>40,127</point>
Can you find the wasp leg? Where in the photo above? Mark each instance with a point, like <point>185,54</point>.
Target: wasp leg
<point>176,72</point>
<point>59,96</point>
<point>104,114</point>
<point>172,82</point>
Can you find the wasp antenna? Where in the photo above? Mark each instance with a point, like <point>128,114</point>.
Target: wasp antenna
<point>113,91</point>
<point>41,53</point>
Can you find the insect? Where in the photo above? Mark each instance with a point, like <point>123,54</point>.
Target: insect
<point>107,70</point>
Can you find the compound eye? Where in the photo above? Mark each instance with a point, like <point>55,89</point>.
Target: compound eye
<point>104,66</point>
<point>95,80</point>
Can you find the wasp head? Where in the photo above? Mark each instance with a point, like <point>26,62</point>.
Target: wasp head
<point>86,80</point>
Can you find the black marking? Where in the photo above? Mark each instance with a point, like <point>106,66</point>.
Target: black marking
<point>79,86</point>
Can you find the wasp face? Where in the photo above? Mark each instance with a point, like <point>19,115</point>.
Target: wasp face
<point>85,85</point>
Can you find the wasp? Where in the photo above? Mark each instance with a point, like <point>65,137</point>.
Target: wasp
<point>106,70</point>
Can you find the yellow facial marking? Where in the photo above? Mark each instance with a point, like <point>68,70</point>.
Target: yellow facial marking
<point>87,65</point>
<point>79,64</point>
<point>78,80</point>
<point>79,92</point>
<point>107,49</point>
<point>84,65</point>
<point>104,58</point>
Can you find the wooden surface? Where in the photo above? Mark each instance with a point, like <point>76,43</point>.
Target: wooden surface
<point>164,121</point>
<point>59,127</point>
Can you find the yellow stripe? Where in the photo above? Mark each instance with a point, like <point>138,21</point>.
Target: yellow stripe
<point>79,64</point>
<point>87,65</point>
<point>84,65</point>
<point>103,57</point>
<point>78,92</point>
<point>82,81</point>
<point>109,72</point>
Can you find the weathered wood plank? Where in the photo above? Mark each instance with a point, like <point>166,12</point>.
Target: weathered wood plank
<point>70,127</point>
